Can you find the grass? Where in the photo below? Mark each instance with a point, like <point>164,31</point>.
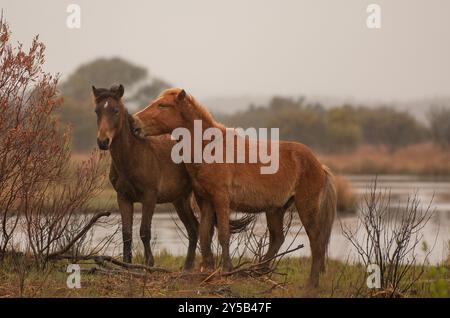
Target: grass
<point>340,280</point>
<point>347,200</point>
<point>419,159</point>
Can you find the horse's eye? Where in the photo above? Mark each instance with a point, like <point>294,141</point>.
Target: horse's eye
<point>116,111</point>
<point>163,105</point>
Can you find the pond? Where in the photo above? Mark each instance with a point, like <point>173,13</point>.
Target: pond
<point>166,233</point>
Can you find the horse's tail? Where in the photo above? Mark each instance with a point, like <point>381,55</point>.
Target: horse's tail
<point>327,208</point>
<point>240,225</point>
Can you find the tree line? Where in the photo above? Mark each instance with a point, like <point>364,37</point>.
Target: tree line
<point>344,128</point>
<point>337,129</point>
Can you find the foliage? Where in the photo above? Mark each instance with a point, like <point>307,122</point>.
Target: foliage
<point>40,191</point>
<point>389,238</point>
<point>439,121</point>
<point>338,129</point>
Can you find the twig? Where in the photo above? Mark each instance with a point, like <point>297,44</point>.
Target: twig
<point>210,276</point>
<point>79,235</point>
<point>251,267</point>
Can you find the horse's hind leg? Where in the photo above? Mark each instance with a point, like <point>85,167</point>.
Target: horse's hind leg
<point>186,215</point>
<point>148,207</point>
<point>308,209</point>
<point>206,232</point>
<point>126,212</point>
<point>276,236</point>
<point>222,210</point>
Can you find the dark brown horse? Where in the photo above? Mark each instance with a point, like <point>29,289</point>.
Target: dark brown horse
<point>142,171</point>
<point>220,186</point>
<point>153,180</point>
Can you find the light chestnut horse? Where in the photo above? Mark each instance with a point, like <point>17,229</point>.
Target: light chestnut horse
<point>241,186</point>
<point>142,171</point>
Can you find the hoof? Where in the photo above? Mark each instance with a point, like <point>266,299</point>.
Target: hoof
<point>127,260</point>
<point>311,289</point>
<point>187,268</point>
<point>150,262</point>
<point>226,268</point>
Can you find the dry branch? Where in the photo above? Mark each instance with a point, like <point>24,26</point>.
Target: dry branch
<point>101,259</point>
<point>252,267</point>
<point>88,226</point>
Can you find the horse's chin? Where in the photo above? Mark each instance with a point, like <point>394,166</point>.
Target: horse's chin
<point>148,133</point>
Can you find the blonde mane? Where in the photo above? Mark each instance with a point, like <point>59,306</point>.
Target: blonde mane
<point>199,110</point>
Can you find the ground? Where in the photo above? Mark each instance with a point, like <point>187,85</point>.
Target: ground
<point>340,280</point>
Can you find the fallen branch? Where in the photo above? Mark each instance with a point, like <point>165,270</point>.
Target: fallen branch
<point>88,226</point>
<point>94,270</point>
<point>101,259</point>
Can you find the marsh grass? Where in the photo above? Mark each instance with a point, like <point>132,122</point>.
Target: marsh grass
<point>347,200</point>
<point>341,280</point>
<point>417,159</point>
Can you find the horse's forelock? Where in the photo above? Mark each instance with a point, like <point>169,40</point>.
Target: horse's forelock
<point>103,93</point>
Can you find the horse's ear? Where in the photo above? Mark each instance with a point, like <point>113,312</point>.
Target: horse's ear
<point>118,90</point>
<point>181,95</point>
<point>94,91</point>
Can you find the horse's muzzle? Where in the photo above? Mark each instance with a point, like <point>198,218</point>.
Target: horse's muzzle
<point>103,144</point>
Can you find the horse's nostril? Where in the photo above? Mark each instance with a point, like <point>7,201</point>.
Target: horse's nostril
<point>103,144</point>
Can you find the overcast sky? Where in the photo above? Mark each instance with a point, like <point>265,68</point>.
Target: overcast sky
<point>255,47</point>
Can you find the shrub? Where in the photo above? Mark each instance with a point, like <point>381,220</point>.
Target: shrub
<point>40,191</point>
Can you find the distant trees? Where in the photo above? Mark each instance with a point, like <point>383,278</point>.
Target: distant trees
<point>77,108</point>
<point>336,129</point>
<point>389,127</point>
<point>344,130</point>
<point>439,121</point>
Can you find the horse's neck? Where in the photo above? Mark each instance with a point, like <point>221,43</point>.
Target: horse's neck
<point>206,123</point>
<point>122,147</point>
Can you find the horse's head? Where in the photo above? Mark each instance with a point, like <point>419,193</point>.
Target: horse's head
<point>163,115</point>
<point>111,114</point>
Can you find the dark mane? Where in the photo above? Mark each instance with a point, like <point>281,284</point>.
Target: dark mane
<point>129,124</point>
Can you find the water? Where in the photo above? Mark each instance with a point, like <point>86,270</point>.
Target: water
<point>166,234</point>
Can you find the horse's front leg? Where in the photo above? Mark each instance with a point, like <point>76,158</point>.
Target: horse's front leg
<point>126,212</point>
<point>148,207</point>
<point>187,216</point>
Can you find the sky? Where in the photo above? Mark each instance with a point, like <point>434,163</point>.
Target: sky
<point>255,47</point>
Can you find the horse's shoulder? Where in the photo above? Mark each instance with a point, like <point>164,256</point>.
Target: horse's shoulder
<point>121,184</point>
